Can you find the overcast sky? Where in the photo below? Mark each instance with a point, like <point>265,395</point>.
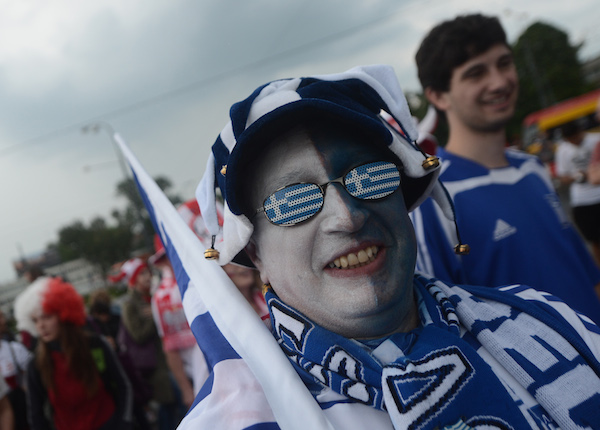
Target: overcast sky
<point>164,72</point>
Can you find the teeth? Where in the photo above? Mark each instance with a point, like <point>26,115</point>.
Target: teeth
<point>496,100</point>
<point>362,256</point>
<point>344,262</point>
<point>352,260</point>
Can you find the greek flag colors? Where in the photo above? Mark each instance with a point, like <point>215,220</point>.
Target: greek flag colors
<point>373,180</point>
<point>296,203</point>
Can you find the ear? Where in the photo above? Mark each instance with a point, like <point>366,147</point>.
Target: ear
<point>253,253</point>
<point>439,99</point>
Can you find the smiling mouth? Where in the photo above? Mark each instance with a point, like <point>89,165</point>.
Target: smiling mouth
<point>498,99</point>
<point>355,259</point>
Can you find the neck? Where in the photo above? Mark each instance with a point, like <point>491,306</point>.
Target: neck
<point>409,322</point>
<point>484,147</point>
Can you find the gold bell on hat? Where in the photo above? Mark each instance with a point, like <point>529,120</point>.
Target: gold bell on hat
<point>431,162</point>
<point>211,253</point>
<point>462,249</point>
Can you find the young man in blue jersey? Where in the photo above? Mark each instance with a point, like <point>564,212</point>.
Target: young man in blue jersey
<point>506,207</point>
<point>317,189</point>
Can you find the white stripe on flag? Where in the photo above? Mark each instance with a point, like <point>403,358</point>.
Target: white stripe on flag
<point>291,403</point>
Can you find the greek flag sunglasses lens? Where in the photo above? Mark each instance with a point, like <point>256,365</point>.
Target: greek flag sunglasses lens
<point>372,181</point>
<point>296,203</point>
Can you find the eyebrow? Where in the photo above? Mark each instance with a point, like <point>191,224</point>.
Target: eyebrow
<point>289,178</point>
<point>505,56</point>
<point>471,69</point>
<point>508,55</point>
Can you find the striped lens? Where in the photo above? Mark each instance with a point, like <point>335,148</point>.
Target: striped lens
<point>373,180</point>
<point>296,203</point>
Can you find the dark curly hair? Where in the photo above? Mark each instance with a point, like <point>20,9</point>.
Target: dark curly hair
<point>452,43</point>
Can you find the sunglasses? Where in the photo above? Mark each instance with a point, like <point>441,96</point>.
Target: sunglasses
<point>296,203</point>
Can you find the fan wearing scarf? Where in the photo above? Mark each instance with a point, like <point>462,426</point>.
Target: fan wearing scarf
<point>318,189</point>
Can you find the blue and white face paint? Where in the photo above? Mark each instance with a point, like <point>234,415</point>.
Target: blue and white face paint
<point>349,265</point>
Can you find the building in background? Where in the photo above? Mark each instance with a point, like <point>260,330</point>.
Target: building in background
<point>43,260</point>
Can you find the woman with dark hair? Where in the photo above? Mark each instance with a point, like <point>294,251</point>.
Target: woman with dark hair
<point>75,380</point>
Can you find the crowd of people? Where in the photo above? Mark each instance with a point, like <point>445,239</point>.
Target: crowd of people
<point>400,302</point>
<point>318,186</point>
<point>103,365</point>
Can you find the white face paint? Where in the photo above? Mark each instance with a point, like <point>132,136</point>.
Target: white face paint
<point>365,300</point>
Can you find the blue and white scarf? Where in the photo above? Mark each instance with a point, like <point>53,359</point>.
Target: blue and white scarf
<point>438,379</point>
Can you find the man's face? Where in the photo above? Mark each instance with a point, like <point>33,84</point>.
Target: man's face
<point>483,91</point>
<point>363,300</point>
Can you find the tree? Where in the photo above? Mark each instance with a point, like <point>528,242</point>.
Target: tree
<point>135,216</point>
<point>98,243</point>
<point>549,70</point>
<point>104,244</point>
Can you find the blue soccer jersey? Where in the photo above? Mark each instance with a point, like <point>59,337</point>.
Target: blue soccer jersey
<point>517,230</point>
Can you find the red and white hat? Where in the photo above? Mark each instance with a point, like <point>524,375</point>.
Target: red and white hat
<point>129,271</point>
<point>52,296</point>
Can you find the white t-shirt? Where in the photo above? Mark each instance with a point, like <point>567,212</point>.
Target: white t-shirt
<point>571,159</point>
<point>4,389</point>
<point>14,362</point>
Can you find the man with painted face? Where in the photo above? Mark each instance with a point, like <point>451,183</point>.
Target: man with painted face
<point>506,207</point>
<point>317,190</point>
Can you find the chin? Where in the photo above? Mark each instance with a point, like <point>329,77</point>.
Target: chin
<point>494,126</point>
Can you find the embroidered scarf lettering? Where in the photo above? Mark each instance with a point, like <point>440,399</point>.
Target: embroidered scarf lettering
<point>438,378</point>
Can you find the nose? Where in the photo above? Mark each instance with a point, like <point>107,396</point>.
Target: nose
<point>341,212</point>
<point>499,79</point>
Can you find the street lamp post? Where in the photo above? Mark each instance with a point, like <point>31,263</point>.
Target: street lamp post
<point>94,128</point>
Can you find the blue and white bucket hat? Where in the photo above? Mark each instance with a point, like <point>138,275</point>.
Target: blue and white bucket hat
<point>355,97</point>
